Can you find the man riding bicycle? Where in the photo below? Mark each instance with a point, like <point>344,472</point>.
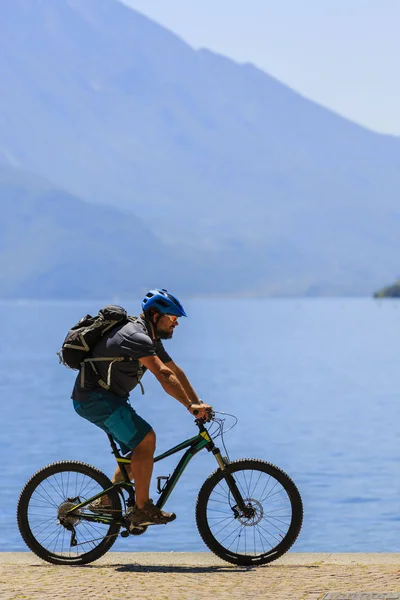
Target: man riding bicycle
<point>139,342</point>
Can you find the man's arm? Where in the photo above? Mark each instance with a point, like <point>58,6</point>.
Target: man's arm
<point>167,378</point>
<point>172,385</point>
<point>183,380</point>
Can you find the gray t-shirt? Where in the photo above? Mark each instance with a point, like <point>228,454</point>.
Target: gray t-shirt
<point>131,340</point>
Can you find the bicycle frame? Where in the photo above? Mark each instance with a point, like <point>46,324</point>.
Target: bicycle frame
<point>194,445</point>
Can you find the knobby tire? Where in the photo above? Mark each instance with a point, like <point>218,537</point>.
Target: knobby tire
<point>38,506</point>
<point>273,525</point>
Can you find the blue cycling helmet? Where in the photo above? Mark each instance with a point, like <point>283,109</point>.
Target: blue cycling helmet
<point>164,302</point>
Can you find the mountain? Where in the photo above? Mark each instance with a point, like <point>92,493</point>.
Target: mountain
<point>54,245</point>
<point>389,291</point>
<point>253,188</point>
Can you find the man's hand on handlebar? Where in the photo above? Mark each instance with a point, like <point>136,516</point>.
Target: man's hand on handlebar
<point>201,411</point>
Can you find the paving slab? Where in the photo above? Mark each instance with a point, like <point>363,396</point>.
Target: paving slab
<point>361,596</point>
<point>202,576</point>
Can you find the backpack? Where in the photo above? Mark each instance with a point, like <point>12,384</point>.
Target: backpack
<point>83,336</point>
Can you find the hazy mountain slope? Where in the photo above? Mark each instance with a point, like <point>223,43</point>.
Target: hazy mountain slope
<point>272,193</point>
<point>52,244</point>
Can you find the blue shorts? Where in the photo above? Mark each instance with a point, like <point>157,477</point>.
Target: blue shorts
<point>115,416</point>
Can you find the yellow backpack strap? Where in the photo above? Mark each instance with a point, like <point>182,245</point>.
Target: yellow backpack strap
<point>92,361</point>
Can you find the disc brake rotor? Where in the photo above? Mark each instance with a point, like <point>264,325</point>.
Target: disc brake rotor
<point>254,515</point>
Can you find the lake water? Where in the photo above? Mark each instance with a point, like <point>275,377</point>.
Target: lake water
<point>313,382</point>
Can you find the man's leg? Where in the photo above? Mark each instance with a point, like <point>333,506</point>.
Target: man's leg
<point>141,468</point>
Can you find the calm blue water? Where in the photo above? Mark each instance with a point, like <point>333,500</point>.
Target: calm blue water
<point>314,383</point>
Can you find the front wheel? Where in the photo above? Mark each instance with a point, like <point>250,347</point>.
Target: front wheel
<point>270,524</point>
<point>45,524</point>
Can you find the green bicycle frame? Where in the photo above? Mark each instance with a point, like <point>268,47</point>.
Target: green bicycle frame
<point>194,445</point>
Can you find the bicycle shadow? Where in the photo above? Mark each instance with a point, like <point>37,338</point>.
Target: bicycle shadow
<point>182,569</point>
<point>135,568</point>
<point>129,568</point>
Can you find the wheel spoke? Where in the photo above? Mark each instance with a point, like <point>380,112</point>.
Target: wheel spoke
<point>262,545</point>
<point>214,510</point>
<point>223,528</point>
<point>255,487</point>
<point>50,500</point>
<point>58,535</point>
<point>232,533</point>
<point>271,534</point>
<point>38,533</point>
<point>60,487</point>
<point>263,537</point>
<point>220,520</point>
<point>276,519</point>
<point>238,537</point>
<point>269,493</point>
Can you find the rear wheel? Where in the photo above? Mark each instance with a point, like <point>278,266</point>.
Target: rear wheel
<point>43,519</point>
<point>270,524</point>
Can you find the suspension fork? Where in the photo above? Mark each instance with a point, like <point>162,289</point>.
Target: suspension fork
<point>230,480</point>
<point>223,464</point>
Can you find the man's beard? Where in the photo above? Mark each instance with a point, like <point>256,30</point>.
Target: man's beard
<point>164,335</point>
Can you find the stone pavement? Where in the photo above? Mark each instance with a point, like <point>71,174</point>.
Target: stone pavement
<point>201,576</point>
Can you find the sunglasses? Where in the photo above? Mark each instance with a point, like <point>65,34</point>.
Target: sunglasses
<point>172,318</point>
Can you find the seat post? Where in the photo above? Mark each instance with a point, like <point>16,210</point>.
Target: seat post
<point>114,448</point>
<point>120,459</point>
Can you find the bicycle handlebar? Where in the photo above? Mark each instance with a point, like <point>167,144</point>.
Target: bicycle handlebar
<point>210,416</point>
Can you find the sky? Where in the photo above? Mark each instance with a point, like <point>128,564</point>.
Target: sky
<point>343,54</point>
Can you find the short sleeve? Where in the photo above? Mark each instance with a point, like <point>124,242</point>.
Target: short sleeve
<point>162,353</point>
<point>138,345</point>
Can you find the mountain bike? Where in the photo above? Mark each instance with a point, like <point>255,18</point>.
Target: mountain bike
<point>248,511</point>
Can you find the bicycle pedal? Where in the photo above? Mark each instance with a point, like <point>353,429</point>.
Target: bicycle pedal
<point>137,530</point>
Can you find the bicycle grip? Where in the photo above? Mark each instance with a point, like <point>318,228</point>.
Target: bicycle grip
<point>210,413</point>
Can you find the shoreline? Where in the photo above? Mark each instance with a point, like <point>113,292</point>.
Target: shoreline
<point>207,557</point>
